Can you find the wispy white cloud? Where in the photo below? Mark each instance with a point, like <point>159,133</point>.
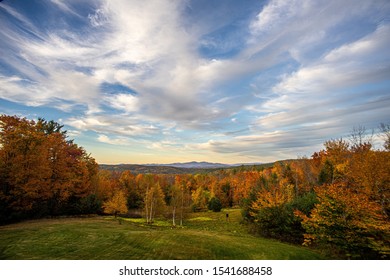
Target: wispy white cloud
<point>277,12</point>
<point>65,7</point>
<point>124,102</point>
<point>121,141</point>
<point>344,88</point>
<point>363,61</point>
<point>329,88</point>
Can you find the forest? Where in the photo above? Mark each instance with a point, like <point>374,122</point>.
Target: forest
<point>337,200</point>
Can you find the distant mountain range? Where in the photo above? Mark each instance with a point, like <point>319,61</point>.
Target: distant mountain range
<point>173,168</point>
<point>194,164</point>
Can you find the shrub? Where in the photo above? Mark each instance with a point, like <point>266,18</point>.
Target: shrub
<point>280,222</point>
<point>215,204</point>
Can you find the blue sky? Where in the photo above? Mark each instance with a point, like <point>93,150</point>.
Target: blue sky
<point>223,81</point>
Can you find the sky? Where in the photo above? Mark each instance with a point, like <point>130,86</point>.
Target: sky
<point>225,81</point>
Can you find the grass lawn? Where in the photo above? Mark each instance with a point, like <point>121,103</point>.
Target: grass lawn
<point>204,236</point>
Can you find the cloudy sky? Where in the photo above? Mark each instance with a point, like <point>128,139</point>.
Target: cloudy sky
<point>223,81</point>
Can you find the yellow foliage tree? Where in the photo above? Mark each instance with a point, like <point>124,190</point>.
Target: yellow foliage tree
<point>348,220</point>
<point>154,202</point>
<point>116,204</point>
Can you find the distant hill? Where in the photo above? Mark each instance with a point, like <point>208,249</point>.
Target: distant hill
<point>151,169</point>
<point>179,168</point>
<point>194,164</point>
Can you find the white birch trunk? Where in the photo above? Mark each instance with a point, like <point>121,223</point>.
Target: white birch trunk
<point>174,216</point>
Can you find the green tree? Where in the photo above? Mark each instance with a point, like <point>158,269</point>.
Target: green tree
<point>215,204</point>
<point>200,198</point>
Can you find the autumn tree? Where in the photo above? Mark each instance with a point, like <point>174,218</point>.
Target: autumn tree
<point>222,189</point>
<point>336,156</point>
<point>349,221</point>
<point>42,172</point>
<point>185,183</point>
<point>107,184</point>
<point>175,200</point>
<point>24,166</point>
<point>271,210</point>
<point>153,201</point>
<point>134,193</point>
<point>369,173</point>
<point>117,204</point>
<point>200,198</point>
<point>243,185</point>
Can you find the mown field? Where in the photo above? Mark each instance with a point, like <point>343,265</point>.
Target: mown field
<point>203,236</point>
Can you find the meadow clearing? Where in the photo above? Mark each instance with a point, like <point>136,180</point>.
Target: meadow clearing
<point>204,235</point>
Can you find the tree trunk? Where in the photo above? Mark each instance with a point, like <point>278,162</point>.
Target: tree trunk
<point>146,204</point>
<point>182,208</point>
<point>151,211</point>
<point>174,216</point>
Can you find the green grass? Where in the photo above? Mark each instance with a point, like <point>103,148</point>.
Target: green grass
<point>204,236</point>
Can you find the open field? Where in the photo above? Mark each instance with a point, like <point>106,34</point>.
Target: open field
<point>204,236</point>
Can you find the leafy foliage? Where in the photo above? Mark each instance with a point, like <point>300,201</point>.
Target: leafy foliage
<point>349,220</point>
<point>42,173</point>
<point>215,204</point>
<point>116,204</point>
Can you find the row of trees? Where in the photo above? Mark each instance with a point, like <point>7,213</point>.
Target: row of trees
<point>339,199</point>
<point>152,195</point>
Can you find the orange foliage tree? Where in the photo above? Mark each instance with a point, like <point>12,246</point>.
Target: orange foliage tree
<point>42,173</point>
<point>349,220</point>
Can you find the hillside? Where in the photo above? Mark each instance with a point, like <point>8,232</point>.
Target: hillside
<point>204,236</point>
<point>180,168</point>
<point>151,169</point>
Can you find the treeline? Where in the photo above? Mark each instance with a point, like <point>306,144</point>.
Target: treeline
<point>42,173</point>
<point>338,199</point>
<point>153,169</point>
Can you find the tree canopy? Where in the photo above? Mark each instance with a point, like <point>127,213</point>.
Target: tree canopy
<point>42,172</point>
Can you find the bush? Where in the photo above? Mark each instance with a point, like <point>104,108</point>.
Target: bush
<point>215,204</point>
<point>90,205</point>
<point>281,223</point>
<point>305,203</point>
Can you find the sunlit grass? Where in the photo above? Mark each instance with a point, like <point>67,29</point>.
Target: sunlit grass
<point>203,219</point>
<point>203,236</point>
